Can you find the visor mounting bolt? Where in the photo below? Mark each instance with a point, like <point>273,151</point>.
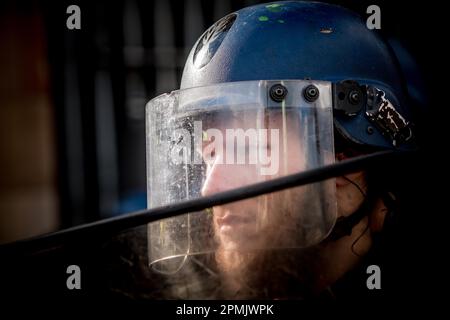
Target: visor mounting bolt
<point>278,92</point>
<point>370,130</point>
<point>311,93</point>
<point>354,97</point>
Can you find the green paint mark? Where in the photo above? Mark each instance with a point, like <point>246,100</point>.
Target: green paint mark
<point>263,18</point>
<point>275,7</point>
<point>280,21</point>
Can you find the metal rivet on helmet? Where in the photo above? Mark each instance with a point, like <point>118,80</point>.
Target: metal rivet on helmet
<point>311,93</point>
<point>278,92</point>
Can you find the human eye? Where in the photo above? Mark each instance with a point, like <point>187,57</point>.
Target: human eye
<point>208,149</point>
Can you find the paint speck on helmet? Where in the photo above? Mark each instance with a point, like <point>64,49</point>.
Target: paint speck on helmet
<point>326,30</point>
<point>274,7</point>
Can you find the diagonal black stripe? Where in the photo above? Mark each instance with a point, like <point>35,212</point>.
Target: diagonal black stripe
<point>108,227</point>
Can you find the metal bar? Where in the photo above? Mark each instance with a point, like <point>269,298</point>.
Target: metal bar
<point>108,227</point>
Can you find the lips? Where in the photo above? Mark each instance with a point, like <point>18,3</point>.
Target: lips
<point>229,222</point>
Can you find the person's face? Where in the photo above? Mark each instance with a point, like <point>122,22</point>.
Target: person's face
<point>272,219</point>
<point>350,189</point>
<point>239,225</point>
<point>247,224</point>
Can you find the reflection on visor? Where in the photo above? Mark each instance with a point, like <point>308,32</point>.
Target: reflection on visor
<point>206,140</point>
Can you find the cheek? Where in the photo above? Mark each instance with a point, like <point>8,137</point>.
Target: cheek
<point>349,197</point>
<point>294,159</point>
<point>359,178</point>
<point>346,200</point>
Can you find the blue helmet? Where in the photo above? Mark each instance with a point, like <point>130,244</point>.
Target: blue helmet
<point>310,40</point>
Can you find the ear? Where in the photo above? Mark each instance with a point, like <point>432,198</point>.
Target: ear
<point>377,216</point>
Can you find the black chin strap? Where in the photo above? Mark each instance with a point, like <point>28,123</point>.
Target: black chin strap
<point>344,225</point>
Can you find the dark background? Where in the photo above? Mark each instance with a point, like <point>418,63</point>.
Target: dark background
<point>72,146</point>
<point>72,142</point>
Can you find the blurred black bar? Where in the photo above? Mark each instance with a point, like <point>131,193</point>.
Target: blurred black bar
<point>87,233</point>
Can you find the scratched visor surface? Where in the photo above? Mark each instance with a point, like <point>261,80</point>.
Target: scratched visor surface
<point>206,140</point>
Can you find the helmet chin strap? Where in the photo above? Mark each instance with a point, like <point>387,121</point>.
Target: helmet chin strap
<point>344,225</point>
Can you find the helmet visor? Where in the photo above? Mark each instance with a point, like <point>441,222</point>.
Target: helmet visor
<point>205,140</point>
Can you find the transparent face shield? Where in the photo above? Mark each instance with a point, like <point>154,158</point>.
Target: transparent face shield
<point>206,140</point>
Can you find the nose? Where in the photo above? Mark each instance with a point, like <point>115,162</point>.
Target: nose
<point>222,177</point>
<point>219,177</point>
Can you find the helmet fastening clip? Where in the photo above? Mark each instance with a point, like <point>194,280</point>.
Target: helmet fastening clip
<point>349,98</point>
<point>383,114</point>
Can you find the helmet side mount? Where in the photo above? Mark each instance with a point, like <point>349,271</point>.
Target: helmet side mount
<point>350,98</point>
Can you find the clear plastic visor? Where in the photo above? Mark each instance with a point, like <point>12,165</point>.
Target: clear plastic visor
<point>206,140</point>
